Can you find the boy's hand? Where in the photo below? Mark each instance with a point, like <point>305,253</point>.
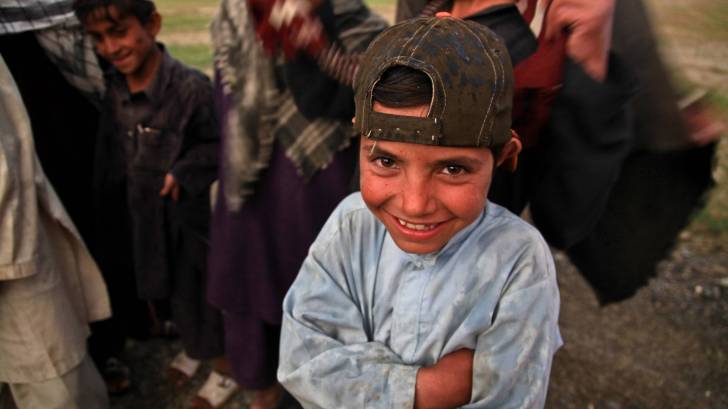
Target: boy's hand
<point>447,384</point>
<point>588,26</point>
<point>170,187</point>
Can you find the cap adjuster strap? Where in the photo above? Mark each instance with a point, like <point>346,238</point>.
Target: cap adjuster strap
<point>403,128</point>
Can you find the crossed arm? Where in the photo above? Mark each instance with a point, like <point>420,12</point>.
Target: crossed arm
<point>447,384</point>
<point>329,358</point>
<point>323,373</point>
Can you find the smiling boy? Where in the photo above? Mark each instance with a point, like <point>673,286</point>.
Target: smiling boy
<point>156,159</point>
<point>418,292</point>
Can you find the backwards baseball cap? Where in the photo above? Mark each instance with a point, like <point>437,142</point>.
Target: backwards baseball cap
<point>472,83</point>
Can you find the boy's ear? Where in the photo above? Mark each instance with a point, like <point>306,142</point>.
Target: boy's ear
<point>509,153</point>
<point>154,25</point>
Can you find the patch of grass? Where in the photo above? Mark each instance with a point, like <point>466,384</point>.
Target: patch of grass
<point>196,55</point>
<point>716,18</point>
<point>713,224</point>
<point>184,5</point>
<point>702,18</point>
<point>375,3</point>
<point>185,23</point>
<point>720,101</point>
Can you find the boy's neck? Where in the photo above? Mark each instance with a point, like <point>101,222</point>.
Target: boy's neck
<point>140,80</point>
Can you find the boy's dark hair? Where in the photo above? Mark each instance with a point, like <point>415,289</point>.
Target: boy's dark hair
<point>99,9</point>
<point>403,87</point>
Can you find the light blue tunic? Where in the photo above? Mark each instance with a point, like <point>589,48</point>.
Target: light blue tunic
<point>363,316</point>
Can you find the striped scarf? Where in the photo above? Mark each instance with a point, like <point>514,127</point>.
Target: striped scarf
<point>61,36</point>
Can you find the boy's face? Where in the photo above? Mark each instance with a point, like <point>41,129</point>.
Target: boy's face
<point>122,40</point>
<point>423,194</point>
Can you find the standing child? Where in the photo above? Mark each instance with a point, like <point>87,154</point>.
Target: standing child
<point>157,156</point>
<point>418,292</point>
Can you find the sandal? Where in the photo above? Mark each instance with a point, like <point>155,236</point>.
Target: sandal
<point>182,369</point>
<point>217,390</point>
<point>116,376</point>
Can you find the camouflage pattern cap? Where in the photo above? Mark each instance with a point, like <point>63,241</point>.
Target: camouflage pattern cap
<point>472,83</point>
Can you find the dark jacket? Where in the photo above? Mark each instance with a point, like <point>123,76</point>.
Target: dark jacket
<point>168,128</point>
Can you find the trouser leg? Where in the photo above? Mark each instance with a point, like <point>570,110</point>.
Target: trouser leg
<point>79,388</point>
<point>251,347</point>
<point>6,398</point>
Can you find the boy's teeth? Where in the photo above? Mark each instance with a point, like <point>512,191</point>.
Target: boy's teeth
<point>416,226</point>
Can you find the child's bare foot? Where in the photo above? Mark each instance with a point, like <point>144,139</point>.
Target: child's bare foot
<point>268,398</point>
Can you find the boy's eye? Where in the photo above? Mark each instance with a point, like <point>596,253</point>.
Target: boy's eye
<point>454,170</point>
<point>384,162</point>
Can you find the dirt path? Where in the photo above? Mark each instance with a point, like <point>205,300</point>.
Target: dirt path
<point>667,347</point>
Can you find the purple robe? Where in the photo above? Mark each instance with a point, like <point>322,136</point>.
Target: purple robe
<point>256,252</point>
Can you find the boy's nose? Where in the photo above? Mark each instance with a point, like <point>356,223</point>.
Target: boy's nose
<point>108,46</point>
<point>417,198</point>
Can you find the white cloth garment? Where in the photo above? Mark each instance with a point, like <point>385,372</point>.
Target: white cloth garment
<point>50,287</point>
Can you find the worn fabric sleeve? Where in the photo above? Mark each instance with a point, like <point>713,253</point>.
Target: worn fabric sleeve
<point>327,357</point>
<point>513,356</point>
<point>196,165</point>
<point>20,238</point>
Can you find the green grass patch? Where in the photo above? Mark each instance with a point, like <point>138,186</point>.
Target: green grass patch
<point>705,18</point>
<point>196,55</point>
<point>720,101</point>
<point>181,6</point>
<point>716,19</point>
<point>185,23</point>
<point>374,3</point>
<point>714,224</point>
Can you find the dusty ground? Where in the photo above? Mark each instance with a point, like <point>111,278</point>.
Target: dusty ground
<point>664,348</point>
<point>667,347</point>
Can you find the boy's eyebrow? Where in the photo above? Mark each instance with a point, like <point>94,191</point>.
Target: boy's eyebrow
<point>375,150</point>
<point>460,160</point>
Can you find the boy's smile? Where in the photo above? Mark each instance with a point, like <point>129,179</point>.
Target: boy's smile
<point>423,194</point>
<point>125,42</point>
